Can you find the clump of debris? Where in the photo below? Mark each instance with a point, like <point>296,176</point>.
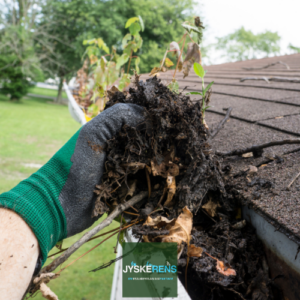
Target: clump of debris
<point>189,201</point>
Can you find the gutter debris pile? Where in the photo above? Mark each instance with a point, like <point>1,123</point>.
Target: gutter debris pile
<point>189,203</point>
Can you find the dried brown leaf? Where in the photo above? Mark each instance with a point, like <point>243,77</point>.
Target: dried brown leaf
<point>194,251</point>
<point>193,55</point>
<point>112,91</point>
<point>171,184</point>
<point>155,71</point>
<point>181,230</point>
<point>158,222</point>
<point>211,207</point>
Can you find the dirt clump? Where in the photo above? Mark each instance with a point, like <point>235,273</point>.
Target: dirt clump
<point>190,202</point>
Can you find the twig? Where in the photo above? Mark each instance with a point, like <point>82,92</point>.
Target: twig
<point>293,180</point>
<point>267,66</point>
<point>234,291</point>
<point>258,147</point>
<point>93,238</point>
<point>221,124</point>
<point>71,263</point>
<point>268,79</point>
<point>116,212</point>
<point>119,233</point>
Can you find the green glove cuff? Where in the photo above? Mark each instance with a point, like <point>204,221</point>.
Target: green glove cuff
<point>36,199</point>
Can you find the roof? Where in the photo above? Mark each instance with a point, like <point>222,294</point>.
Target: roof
<point>262,112</point>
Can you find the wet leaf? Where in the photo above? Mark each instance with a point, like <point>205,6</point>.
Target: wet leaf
<point>175,46</point>
<point>165,169</point>
<point>224,269</point>
<point>193,55</point>
<point>131,21</point>
<point>194,251</point>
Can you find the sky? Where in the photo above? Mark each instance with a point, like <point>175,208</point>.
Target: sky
<point>222,17</point>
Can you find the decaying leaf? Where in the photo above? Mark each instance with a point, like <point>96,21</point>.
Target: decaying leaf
<point>158,222</point>
<point>175,47</point>
<point>211,208</point>
<point>165,169</point>
<point>124,192</point>
<point>168,62</point>
<point>194,251</point>
<point>193,55</point>
<point>179,229</point>
<point>224,269</point>
<point>171,185</point>
<point>112,91</point>
<point>133,167</point>
<point>154,71</point>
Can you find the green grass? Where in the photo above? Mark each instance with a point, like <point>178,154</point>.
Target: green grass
<point>76,282</point>
<point>32,130</point>
<point>45,92</point>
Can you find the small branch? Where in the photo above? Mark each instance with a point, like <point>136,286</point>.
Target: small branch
<point>258,147</point>
<point>267,66</point>
<point>293,180</point>
<point>221,124</point>
<point>255,78</point>
<point>268,79</point>
<point>116,212</point>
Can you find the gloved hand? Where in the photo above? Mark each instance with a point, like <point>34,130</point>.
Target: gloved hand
<point>57,201</point>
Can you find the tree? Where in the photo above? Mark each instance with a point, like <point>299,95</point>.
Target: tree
<point>19,63</point>
<point>73,21</point>
<point>294,48</point>
<point>244,44</point>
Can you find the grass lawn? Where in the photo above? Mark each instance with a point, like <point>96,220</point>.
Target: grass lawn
<point>45,92</point>
<point>32,130</point>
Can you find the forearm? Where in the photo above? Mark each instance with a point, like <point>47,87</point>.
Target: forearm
<point>19,253</point>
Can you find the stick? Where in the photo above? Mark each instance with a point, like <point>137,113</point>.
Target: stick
<point>268,79</point>
<point>267,66</point>
<point>116,212</point>
<point>293,180</point>
<point>221,124</point>
<point>258,147</point>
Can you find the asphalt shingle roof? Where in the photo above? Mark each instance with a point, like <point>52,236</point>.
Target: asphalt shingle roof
<point>262,112</point>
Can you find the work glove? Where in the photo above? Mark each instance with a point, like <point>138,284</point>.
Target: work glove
<point>58,200</point>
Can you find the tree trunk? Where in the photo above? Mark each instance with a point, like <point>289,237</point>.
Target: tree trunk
<point>59,93</point>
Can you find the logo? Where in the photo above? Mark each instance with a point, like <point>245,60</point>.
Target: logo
<point>149,270</point>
